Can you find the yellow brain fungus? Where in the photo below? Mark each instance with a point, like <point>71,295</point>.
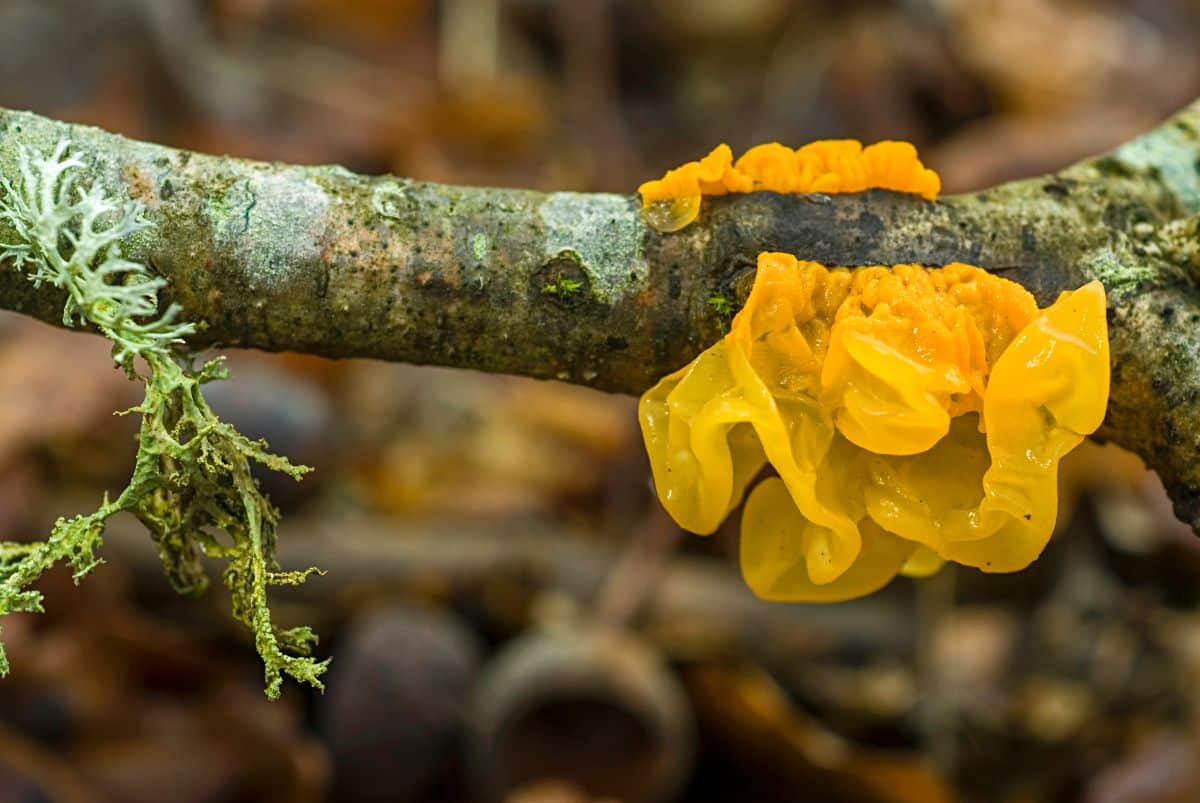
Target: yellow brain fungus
<point>913,415</point>
<point>828,166</point>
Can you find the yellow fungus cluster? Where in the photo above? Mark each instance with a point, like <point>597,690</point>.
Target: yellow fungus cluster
<point>913,415</point>
<point>827,166</point>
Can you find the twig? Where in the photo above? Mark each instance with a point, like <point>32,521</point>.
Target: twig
<point>322,261</point>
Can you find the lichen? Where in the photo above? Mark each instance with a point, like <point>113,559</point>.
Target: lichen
<point>192,476</point>
<point>1120,277</point>
<point>272,222</point>
<point>479,246</point>
<point>387,199</point>
<point>1179,241</point>
<point>1155,151</point>
<point>603,234</point>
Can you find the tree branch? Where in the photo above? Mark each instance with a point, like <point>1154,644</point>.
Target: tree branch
<point>576,287</point>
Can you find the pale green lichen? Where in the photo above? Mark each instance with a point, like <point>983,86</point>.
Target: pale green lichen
<point>1179,242</point>
<point>388,198</point>
<point>602,233</point>
<point>272,222</point>
<point>479,246</point>
<point>1120,277</point>
<point>191,480</point>
<point>1157,151</point>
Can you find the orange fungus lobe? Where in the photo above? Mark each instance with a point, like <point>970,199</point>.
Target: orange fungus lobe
<point>828,166</point>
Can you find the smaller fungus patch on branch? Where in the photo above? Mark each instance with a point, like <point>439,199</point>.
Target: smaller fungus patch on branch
<point>827,166</point>
<point>914,415</point>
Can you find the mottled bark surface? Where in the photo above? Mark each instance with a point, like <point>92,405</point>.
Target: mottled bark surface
<point>576,287</point>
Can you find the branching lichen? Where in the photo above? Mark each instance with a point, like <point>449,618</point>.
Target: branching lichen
<point>192,485</point>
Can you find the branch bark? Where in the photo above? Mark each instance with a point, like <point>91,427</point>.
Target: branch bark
<point>322,261</point>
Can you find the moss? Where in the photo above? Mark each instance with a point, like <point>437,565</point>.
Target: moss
<point>721,305</point>
<point>562,287</point>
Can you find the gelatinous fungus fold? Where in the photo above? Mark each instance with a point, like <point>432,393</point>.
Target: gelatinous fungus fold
<point>913,415</point>
<point>828,166</point>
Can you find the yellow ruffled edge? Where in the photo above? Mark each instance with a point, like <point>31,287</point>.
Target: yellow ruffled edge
<point>711,427</point>
<point>1046,393</point>
<point>826,166</point>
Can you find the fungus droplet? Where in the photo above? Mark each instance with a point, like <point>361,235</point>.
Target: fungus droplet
<point>672,215</point>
